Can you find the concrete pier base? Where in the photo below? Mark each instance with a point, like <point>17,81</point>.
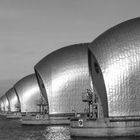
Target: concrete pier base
<point>15,115</point>
<point>3,113</point>
<point>111,127</point>
<point>44,120</point>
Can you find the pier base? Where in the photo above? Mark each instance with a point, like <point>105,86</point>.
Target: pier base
<point>109,127</point>
<point>15,115</point>
<point>44,120</point>
<point>3,113</point>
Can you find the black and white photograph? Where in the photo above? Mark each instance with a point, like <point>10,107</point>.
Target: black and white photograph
<point>69,69</point>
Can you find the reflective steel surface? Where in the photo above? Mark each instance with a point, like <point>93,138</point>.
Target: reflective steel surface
<point>63,75</point>
<point>5,103</point>
<point>118,54</point>
<point>13,99</point>
<point>29,93</point>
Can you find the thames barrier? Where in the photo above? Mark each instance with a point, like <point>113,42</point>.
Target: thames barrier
<point>114,58</point>
<point>94,88</point>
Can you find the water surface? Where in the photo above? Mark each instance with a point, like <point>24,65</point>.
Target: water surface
<point>13,130</point>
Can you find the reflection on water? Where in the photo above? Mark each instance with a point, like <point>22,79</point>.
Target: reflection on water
<point>13,130</point>
<point>57,133</point>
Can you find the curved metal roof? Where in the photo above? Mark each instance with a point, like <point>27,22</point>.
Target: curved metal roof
<point>29,93</point>
<point>63,75</point>
<point>13,100</point>
<point>118,54</point>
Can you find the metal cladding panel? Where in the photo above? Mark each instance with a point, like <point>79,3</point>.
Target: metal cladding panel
<point>29,93</point>
<point>118,54</point>
<point>65,75</point>
<point>5,102</point>
<point>13,99</point>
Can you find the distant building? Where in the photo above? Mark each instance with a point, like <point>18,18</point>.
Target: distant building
<point>28,93</point>
<point>14,104</point>
<point>5,103</point>
<point>1,105</point>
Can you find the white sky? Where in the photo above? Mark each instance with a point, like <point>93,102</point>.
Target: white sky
<point>30,29</point>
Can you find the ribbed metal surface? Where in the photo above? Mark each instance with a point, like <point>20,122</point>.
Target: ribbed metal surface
<point>118,54</point>
<point>29,93</point>
<point>5,103</point>
<point>13,100</point>
<point>63,76</point>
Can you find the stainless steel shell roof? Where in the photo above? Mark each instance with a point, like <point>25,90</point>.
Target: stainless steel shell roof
<point>118,53</point>
<point>5,103</point>
<point>13,99</point>
<point>29,93</point>
<point>63,75</point>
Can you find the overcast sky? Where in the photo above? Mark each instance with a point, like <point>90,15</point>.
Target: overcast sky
<point>30,29</point>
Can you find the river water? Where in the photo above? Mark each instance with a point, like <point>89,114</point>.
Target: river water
<point>13,130</point>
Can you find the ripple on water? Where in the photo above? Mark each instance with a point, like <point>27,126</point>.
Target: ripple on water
<point>13,130</point>
<point>57,133</point>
